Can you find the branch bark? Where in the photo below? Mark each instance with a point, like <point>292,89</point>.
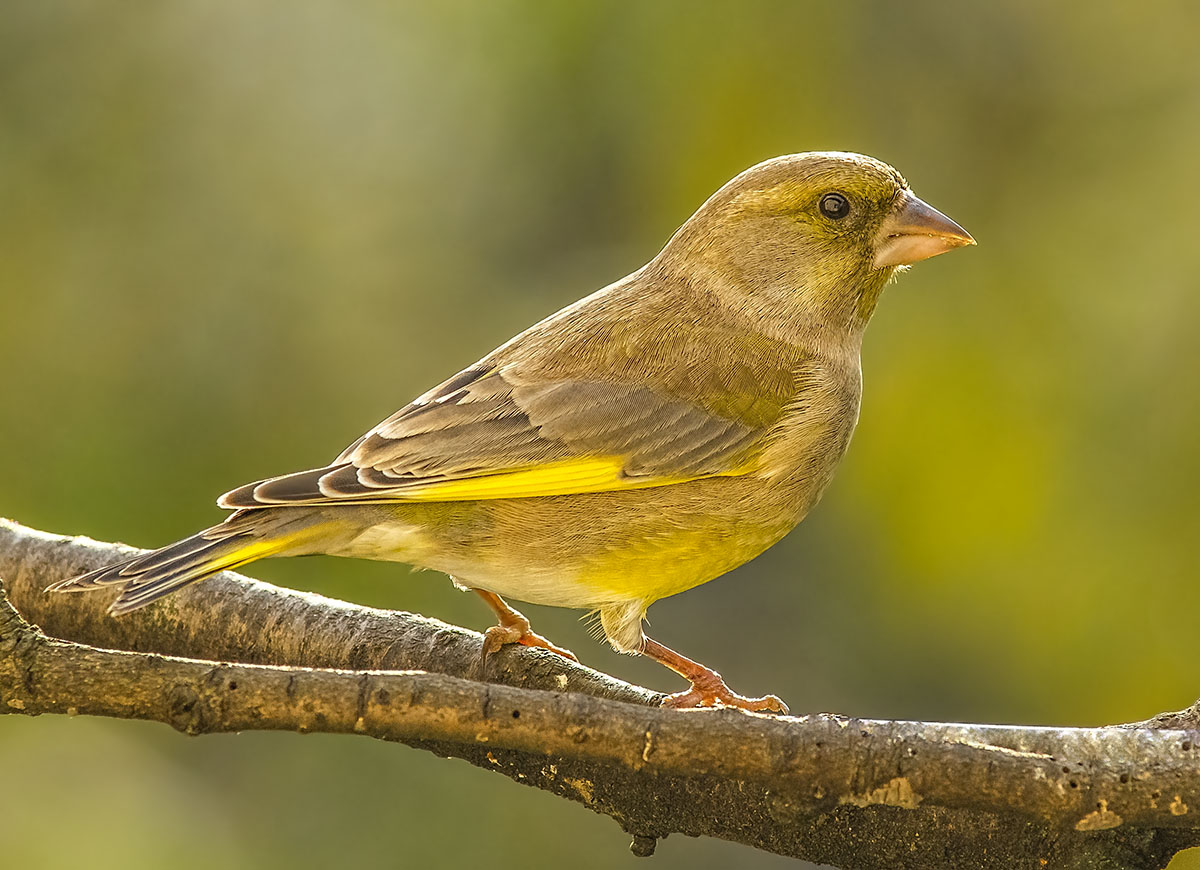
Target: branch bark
<point>234,654</point>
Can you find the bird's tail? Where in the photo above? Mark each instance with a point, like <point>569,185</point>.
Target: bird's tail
<point>243,538</point>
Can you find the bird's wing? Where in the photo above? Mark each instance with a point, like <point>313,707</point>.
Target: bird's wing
<point>489,433</point>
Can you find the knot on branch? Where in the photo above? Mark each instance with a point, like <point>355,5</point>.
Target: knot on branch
<point>643,845</point>
<point>188,711</point>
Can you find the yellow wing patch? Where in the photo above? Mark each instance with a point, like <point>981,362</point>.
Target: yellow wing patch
<point>568,477</point>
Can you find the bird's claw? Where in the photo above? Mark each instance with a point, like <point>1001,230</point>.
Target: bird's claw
<point>714,693</point>
<point>516,632</point>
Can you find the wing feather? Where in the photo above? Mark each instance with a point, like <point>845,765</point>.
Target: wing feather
<point>490,438</point>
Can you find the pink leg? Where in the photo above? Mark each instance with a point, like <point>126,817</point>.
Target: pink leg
<point>708,689</point>
<point>512,628</point>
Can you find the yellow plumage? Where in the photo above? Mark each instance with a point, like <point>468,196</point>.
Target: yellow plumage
<point>569,477</point>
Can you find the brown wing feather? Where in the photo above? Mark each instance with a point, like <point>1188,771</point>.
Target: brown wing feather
<point>491,426</point>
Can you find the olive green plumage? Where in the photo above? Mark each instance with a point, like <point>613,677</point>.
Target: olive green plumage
<point>642,441</point>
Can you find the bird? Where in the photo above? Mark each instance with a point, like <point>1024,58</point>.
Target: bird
<point>642,441</point>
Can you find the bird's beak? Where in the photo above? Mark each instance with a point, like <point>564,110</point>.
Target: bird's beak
<point>915,231</point>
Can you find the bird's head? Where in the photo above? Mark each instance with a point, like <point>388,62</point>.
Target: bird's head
<point>814,235</point>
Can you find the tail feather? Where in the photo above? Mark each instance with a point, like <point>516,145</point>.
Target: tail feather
<point>192,549</point>
<point>179,572</point>
<point>91,580</point>
<point>151,576</point>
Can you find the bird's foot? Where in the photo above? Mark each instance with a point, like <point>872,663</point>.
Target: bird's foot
<point>516,630</point>
<point>710,691</point>
<point>512,628</point>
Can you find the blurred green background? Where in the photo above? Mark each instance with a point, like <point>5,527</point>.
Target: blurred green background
<point>233,236</point>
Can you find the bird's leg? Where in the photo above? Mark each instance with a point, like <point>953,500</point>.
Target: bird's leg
<point>708,689</point>
<point>513,627</point>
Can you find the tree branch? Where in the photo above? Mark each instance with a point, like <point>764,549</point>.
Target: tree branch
<point>854,793</point>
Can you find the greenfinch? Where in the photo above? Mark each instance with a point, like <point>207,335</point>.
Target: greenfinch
<point>644,440</point>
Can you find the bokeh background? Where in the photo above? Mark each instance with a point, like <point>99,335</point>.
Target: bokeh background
<point>233,236</point>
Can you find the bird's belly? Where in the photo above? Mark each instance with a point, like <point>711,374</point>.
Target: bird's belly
<point>677,560</point>
<point>587,550</point>
<point>512,571</point>
<point>644,568</point>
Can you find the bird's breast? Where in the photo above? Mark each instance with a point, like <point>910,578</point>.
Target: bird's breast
<point>802,451</point>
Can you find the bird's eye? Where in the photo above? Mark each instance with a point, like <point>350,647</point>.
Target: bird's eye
<point>834,206</point>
